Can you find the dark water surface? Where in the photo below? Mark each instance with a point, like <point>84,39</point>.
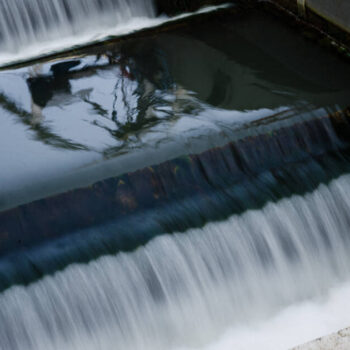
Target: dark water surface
<point>68,123</point>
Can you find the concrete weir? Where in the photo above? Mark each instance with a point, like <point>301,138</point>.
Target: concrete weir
<point>171,7</point>
<point>336,12</point>
<point>336,341</point>
<point>188,181</point>
<point>331,16</point>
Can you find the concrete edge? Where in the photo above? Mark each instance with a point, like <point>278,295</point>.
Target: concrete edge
<point>335,341</point>
<point>319,19</point>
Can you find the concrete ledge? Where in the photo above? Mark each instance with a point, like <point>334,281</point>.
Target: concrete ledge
<point>172,7</point>
<point>336,11</point>
<point>336,341</point>
<point>332,17</point>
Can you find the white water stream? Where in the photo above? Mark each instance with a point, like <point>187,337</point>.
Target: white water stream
<point>184,290</point>
<point>269,279</point>
<point>33,21</point>
<point>30,29</point>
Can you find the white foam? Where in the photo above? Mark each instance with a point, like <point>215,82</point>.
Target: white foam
<point>95,35</point>
<point>293,326</point>
<point>186,289</point>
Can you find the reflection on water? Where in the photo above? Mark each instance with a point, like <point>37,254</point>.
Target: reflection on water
<point>143,93</point>
<point>133,87</point>
<point>202,84</point>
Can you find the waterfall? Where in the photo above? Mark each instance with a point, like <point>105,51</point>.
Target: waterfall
<point>30,22</point>
<point>209,187</point>
<point>183,288</point>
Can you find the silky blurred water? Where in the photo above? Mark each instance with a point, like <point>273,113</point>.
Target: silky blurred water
<point>183,289</point>
<point>34,22</point>
<point>272,253</point>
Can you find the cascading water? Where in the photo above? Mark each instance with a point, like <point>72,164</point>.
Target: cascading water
<point>183,288</point>
<point>32,27</point>
<point>194,197</point>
